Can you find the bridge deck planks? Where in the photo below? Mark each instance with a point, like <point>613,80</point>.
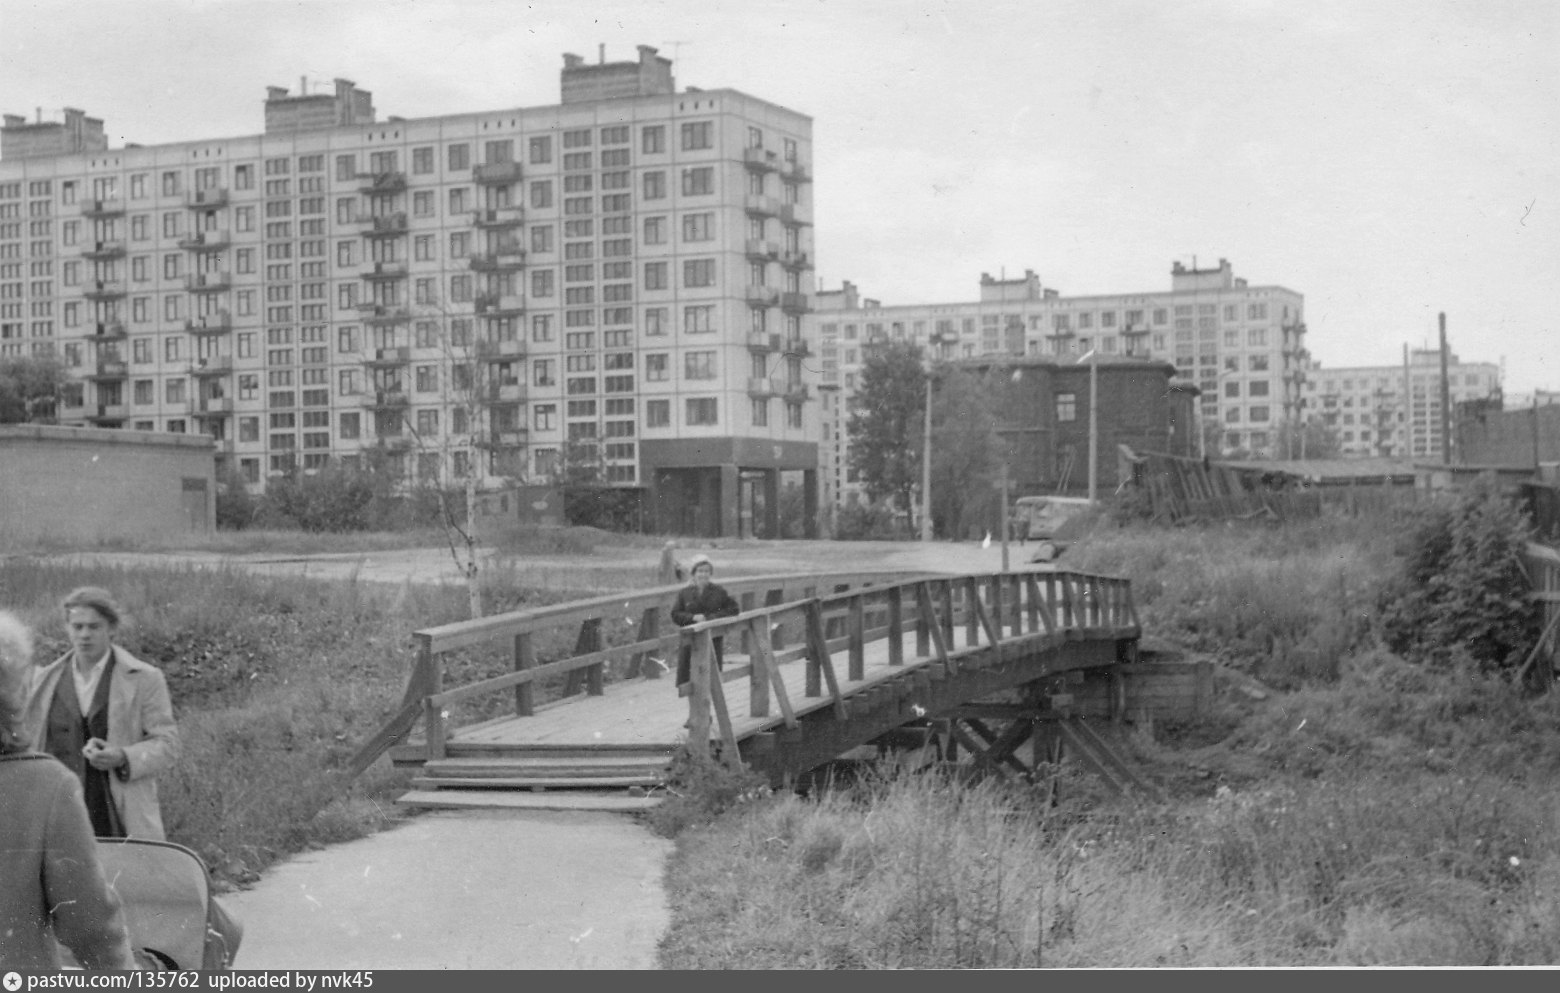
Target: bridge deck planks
<point>639,713</point>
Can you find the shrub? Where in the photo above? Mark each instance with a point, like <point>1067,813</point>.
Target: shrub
<point>699,789</point>
<point>866,522</point>
<point>1461,590</point>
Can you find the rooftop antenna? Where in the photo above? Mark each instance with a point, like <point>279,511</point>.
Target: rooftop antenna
<point>676,48</point>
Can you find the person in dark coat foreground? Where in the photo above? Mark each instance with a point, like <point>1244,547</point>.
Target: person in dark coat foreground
<point>699,601</point>
<point>51,883</point>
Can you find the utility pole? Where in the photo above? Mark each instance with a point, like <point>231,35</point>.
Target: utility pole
<point>926,466</point>
<point>1005,528</point>
<point>1446,402</point>
<point>1094,424</point>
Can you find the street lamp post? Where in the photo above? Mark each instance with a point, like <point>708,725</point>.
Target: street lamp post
<point>926,466</point>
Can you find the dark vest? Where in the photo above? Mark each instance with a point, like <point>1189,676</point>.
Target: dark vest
<point>67,732</point>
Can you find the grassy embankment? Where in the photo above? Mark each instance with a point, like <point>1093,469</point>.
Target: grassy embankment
<point>277,680</point>
<point>1378,812</point>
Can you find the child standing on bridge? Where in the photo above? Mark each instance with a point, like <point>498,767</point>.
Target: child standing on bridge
<point>700,601</point>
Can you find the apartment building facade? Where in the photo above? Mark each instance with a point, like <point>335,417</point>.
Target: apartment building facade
<point>1242,346</point>
<point>1395,411</point>
<point>616,282</point>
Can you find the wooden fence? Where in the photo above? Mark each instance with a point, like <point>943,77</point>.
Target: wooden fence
<point>1542,564</point>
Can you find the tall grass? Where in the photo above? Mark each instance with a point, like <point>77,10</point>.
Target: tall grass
<point>276,681</point>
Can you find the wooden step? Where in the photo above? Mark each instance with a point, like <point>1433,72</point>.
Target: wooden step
<point>415,752</point>
<point>523,782</point>
<point>542,765</point>
<point>608,800</point>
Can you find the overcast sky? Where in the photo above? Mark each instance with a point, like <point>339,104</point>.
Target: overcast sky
<point>1387,159</point>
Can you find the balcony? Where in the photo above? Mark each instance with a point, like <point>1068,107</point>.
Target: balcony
<point>109,369</point>
<point>371,183</point>
<point>105,289</point>
<point>105,250</point>
<point>758,341</point>
<point>795,303</point>
<point>497,173</point>
<point>760,250</point>
<point>211,406</point>
<point>386,399</point>
<point>390,357</point>
<point>378,314</point>
<point>760,160</point>
<point>208,282</point>
<point>206,199</point>
<point>495,305</point>
<point>218,323</point>
<point>760,388</point>
<point>216,365</point>
<point>500,351</point>
<point>112,207</point>
<point>1061,334</point>
<point>386,270</point>
<point>207,241</point>
<point>509,392</point>
<point>797,392</point>
<point>509,437</point>
<point>385,225</point>
<point>108,331</point>
<point>762,296</point>
<point>498,217</point>
<point>105,413</point>
<point>505,259</point>
<point>761,205</point>
<point>1133,330</point>
<point>797,346</point>
<point>797,260</point>
<point>797,172</point>
<point>791,213</point>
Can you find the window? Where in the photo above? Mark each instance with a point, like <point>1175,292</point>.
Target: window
<point>542,238</point>
<point>541,150</point>
<point>542,283</point>
<point>422,203</point>
<point>699,365</point>
<point>577,139</point>
<point>698,182</point>
<point>542,193</point>
<point>699,272</point>
<point>459,157</point>
<point>655,275</point>
<point>658,413</point>
<point>656,367</point>
<point>544,372</point>
<point>422,161</point>
<point>1259,388</point>
<point>701,411</point>
<point>698,227</point>
<point>655,185</point>
<point>652,139</point>
<point>1258,415</point>
<point>697,135</point>
<point>1066,406</point>
<point>697,320</point>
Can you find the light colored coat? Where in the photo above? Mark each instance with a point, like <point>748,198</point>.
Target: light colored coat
<point>140,720</point>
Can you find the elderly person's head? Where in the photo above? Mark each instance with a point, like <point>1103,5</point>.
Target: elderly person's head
<point>91,619</point>
<point>16,648</point>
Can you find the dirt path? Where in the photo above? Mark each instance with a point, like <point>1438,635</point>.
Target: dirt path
<point>465,890</point>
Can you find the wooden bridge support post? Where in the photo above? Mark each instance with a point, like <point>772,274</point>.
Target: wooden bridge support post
<point>856,666</point>
<point>896,626</point>
<point>643,663</point>
<point>945,587</point>
<point>971,589</point>
<point>525,658</point>
<point>589,641</point>
<point>432,710</point>
<point>763,662</point>
<point>700,665</point>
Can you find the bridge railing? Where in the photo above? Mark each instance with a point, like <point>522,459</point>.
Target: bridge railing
<point>991,609</point>
<point>525,636</point>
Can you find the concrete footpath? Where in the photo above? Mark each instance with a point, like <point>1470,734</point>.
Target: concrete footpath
<point>471,889</point>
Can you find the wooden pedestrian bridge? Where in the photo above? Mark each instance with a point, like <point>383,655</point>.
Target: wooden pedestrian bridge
<point>574,705</point>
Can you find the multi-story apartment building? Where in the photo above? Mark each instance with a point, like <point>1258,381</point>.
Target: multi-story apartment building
<point>1242,346</point>
<point>1395,411</point>
<point>617,280</point>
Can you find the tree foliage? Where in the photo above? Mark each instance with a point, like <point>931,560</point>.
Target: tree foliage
<point>1462,592</point>
<point>29,387</point>
<point>886,422</point>
<point>967,454</point>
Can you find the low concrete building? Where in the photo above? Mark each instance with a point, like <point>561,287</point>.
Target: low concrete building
<point>89,485</point>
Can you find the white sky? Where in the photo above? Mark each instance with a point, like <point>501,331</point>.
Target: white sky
<point>1388,159</point>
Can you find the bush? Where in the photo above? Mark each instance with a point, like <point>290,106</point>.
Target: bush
<point>866,522</point>
<point>605,507</point>
<point>1461,590</point>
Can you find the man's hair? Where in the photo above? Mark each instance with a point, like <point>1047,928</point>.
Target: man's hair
<point>16,648</point>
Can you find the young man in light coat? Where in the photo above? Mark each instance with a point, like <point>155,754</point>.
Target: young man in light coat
<point>117,737</point>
